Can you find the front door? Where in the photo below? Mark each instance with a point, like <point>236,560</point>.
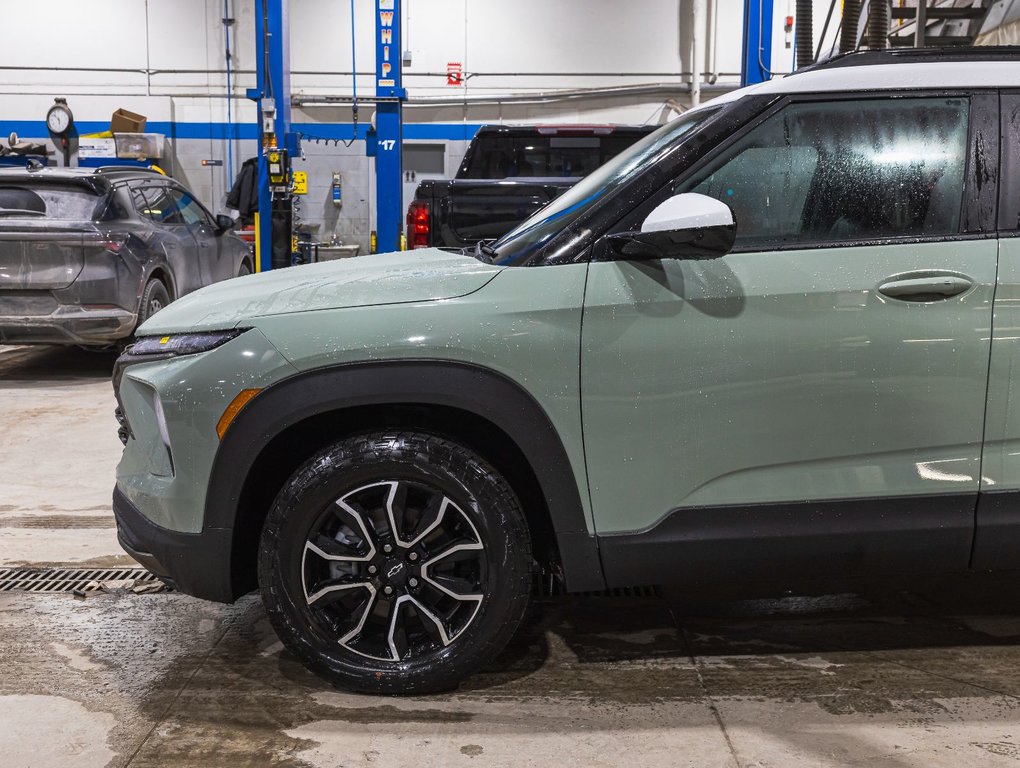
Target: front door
<point>214,262</point>
<point>813,401</point>
<point>155,201</point>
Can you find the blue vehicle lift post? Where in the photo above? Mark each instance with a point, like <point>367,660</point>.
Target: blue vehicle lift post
<point>387,143</point>
<point>272,94</point>
<point>756,62</point>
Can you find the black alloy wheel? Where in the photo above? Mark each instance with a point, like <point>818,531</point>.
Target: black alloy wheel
<point>395,563</point>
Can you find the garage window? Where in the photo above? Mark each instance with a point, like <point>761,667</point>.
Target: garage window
<point>845,171</point>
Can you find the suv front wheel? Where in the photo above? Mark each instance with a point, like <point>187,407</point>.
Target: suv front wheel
<point>395,563</point>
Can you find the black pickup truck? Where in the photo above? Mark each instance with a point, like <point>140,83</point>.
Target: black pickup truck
<point>507,174</point>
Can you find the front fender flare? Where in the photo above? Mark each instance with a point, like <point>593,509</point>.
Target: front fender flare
<point>475,389</point>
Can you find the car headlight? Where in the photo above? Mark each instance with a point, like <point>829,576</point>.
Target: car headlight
<point>182,343</point>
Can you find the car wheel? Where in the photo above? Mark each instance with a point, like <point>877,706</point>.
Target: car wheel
<point>395,563</point>
<point>244,270</point>
<point>154,298</point>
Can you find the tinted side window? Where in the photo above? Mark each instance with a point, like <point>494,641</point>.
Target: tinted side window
<point>845,171</point>
<point>191,212</point>
<point>542,156</point>
<point>159,204</point>
<point>139,201</point>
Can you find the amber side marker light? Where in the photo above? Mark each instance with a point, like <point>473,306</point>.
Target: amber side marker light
<point>233,409</point>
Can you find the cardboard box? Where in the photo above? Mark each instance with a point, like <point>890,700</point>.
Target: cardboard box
<point>139,146</point>
<point>124,121</point>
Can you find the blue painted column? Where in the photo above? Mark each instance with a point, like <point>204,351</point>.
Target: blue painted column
<point>388,126</point>
<point>272,74</point>
<point>756,62</point>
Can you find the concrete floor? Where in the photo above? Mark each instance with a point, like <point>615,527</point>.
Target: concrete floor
<point>880,677</point>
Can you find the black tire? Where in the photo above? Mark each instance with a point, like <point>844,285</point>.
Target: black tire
<point>487,589</point>
<point>244,270</point>
<point>154,298</point>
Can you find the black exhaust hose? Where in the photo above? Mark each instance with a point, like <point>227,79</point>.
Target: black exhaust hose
<point>848,27</point>
<point>878,24</point>
<point>805,33</point>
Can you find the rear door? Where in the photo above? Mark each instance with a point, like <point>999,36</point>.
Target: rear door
<point>997,539</point>
<point>812,402</point>
<point>155,201</point>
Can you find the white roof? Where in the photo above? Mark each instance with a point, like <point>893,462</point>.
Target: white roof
<point>884,77</point>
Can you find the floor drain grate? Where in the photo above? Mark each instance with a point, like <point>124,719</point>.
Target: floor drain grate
<point>78,580</point>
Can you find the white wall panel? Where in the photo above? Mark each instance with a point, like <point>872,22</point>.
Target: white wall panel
<point>592,36</point>
<point>76,34</point>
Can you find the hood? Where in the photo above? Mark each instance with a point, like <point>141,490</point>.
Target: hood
<point>388,278</point>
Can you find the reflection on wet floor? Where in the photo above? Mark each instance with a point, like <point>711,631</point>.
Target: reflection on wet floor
<point>45,366</point>
<point>925,675</point>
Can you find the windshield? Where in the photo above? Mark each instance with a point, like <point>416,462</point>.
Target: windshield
<point>533,233</point>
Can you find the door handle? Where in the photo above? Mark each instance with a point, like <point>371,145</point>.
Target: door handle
<point>928,288</point>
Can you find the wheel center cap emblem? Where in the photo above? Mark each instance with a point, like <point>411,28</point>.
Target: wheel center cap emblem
<point>396,572</point>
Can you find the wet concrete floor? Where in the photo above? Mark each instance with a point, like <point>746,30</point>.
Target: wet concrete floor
<point>58,453</point>
<point>908,675</point>
<point>886,680</point>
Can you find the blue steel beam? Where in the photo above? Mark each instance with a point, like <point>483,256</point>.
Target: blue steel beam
<point>272,74</point>
<point>388,126</point>
<point>756,62</point>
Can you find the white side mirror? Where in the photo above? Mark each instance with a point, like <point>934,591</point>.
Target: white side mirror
<point>688,210</point>
<point>687,226</point>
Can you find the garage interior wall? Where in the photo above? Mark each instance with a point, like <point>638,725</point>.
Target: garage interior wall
<point>165,60</point>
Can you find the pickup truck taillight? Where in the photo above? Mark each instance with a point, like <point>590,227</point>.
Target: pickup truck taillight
<point>419,224</point>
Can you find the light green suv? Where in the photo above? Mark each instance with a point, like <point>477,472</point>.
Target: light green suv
<point>773,340</point>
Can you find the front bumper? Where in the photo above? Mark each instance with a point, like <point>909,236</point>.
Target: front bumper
<point>195,563</point>
<point>68,325</point>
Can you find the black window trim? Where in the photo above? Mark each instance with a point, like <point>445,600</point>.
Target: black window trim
<point>1009,186</point>
<point>978,214</point>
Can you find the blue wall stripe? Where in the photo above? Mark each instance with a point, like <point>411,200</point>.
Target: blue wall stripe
<point>433,131</point>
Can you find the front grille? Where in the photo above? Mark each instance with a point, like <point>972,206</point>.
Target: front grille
<point>123,362</point>
<point>124,431</point>
<point>78,580</point>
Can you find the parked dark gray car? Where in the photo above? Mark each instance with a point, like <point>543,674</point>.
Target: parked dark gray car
<point>86,255</point>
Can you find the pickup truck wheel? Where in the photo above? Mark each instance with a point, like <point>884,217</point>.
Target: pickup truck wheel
<point>154,298</point>
<point>395,563</point>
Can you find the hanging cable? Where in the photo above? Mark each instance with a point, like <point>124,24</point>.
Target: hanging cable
<point>354,80</point>
<point>804,44</point>
<point>265,48</point>
<point>227,22</point>
<point>848,27</point>
<point>878,25</point>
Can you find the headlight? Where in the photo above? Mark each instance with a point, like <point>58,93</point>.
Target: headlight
<point>182,343</point>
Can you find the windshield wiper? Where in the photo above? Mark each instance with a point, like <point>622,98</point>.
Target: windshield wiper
<point>484,250</point>
<point>20,212</point>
